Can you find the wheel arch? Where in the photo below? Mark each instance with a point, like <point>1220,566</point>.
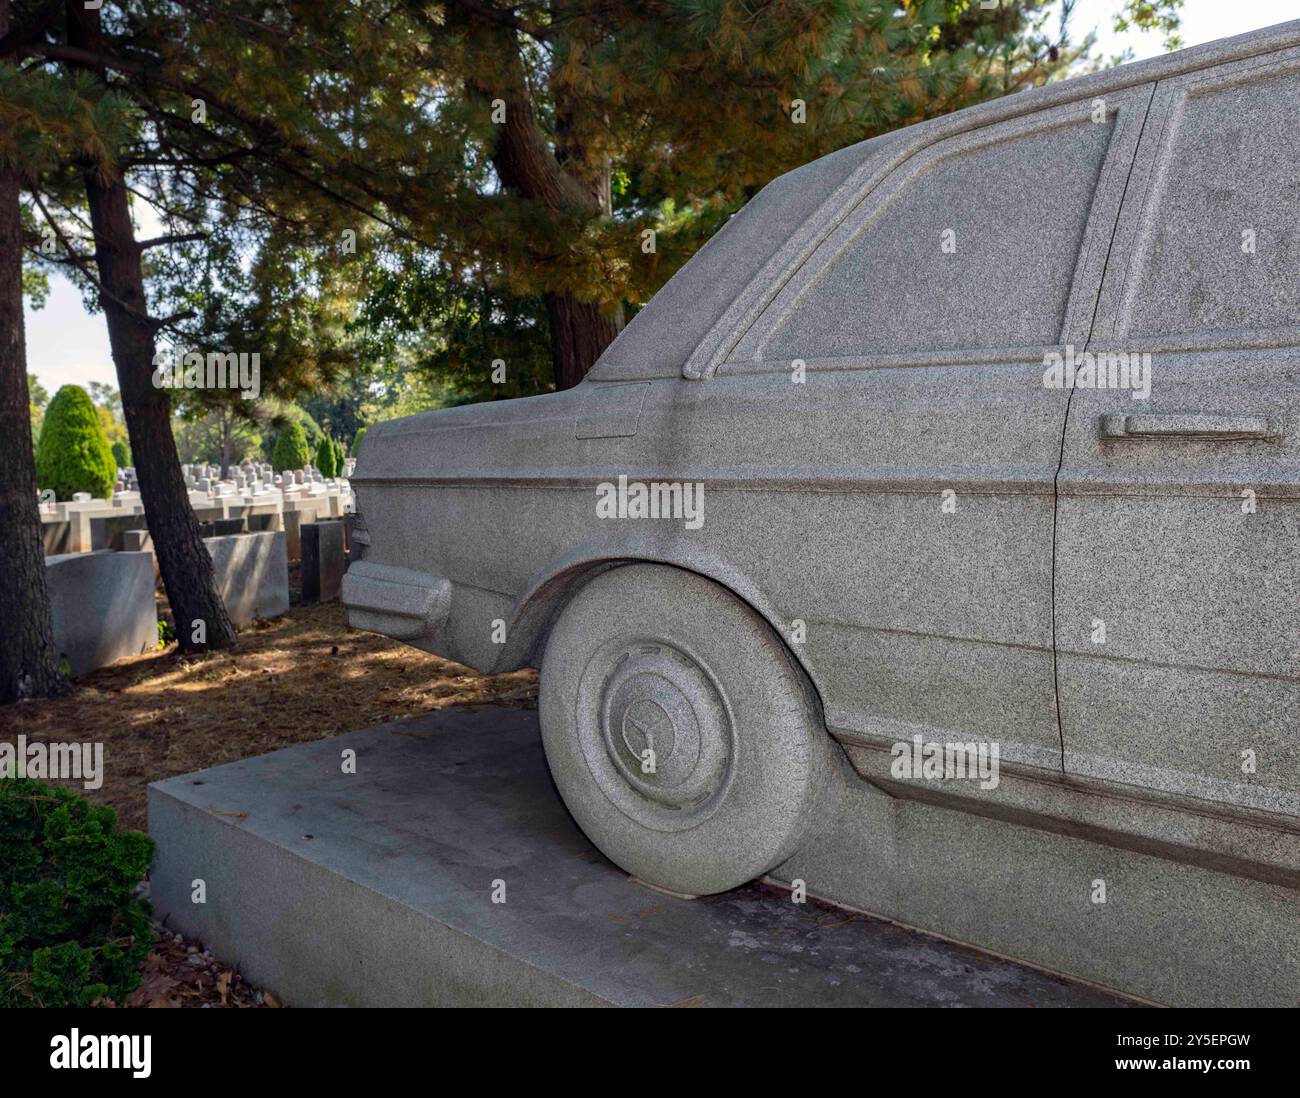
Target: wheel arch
<point>537,610</point>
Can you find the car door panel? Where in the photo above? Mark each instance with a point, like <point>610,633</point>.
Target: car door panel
<point>1178,543</point>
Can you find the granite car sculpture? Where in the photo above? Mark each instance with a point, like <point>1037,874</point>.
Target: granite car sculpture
<point>985,432</point>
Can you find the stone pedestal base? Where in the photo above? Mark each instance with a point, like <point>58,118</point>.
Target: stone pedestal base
<point>377,888</point>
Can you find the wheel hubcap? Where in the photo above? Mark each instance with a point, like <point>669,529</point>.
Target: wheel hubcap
<point>663,747</point>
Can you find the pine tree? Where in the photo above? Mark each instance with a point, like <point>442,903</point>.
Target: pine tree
<point>551,138</point>
<point>529,147</point>
<point>604,123</point>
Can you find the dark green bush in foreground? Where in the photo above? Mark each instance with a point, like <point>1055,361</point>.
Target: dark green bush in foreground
<point>71,931</point>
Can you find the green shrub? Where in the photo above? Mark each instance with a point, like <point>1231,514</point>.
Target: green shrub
<point>291,450</point>
<point>289,413</point>
<point>121,454</point>
<point>71,929</point>
<point>356,442</point>
<point>325,456</point>
<point>329,457</point>
<point>73,453</point>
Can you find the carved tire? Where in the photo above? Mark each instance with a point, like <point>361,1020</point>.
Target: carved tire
<point>682,737</point>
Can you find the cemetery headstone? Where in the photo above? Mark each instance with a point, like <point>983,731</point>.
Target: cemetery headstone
<point>322,560</point>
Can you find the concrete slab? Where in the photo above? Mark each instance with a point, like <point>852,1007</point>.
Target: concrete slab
<point>376,888</point>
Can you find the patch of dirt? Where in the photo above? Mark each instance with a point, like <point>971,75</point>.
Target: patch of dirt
<point>301,677</point>
<point>180,974</point>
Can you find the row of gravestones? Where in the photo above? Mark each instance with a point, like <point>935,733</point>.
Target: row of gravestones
<point>251,569</point>
<point>248,476</point>
<point>255,477</point>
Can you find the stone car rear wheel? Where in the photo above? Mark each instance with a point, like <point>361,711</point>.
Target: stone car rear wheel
<point>682,737</point>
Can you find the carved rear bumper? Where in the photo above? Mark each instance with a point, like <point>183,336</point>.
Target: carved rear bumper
<point>397,602</point>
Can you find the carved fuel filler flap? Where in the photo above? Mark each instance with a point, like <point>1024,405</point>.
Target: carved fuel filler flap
<point>611,410</point>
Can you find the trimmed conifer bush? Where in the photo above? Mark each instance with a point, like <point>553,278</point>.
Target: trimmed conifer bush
<point>72,931</point>
<point>291,449</point>
<point>325,456</point>
<point>356,442</point>
<point>121,454</point>
<point>73,454</point>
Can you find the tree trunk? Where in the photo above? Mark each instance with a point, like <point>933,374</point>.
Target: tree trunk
<point>183,559</point>
<point>580,330</point>
<point>563,179</point>
<point>29,662</point>
<point>579,333</point>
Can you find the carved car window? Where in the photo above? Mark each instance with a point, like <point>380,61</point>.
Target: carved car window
<point>1219,246</point>
<point>975,250</point>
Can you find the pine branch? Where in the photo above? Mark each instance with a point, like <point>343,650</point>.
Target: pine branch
<point>260,152</point>
<point>171,321</point>
<point>196,162</point>
<point>74,256</point>
<point>170,238</point>
<point>502,17</point>
<point>82,263</point>
<point>212,13</point>
<point>148,75</point>
<point>154,204</point>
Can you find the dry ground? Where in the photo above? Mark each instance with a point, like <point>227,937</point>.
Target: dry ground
<point>301,677</point>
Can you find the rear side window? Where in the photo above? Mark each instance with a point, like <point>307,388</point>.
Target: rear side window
<point>977,251</point>
<point>1220,251</point>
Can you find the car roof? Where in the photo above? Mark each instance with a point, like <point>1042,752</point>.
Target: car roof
<point>685,325</point>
